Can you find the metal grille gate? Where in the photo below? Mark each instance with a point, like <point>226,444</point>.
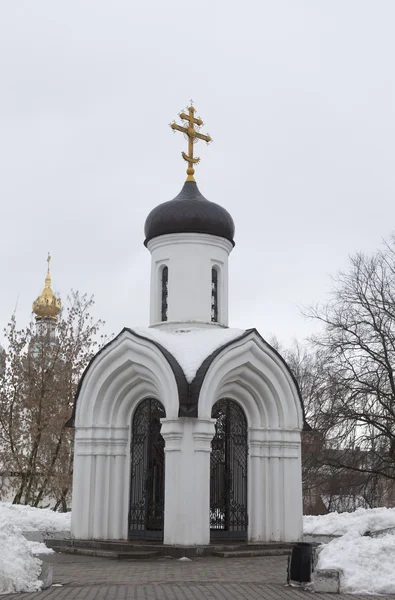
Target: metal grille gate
<point>228,472</point>
<point>147,472</point>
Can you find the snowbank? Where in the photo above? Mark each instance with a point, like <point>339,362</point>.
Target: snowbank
<point>367,564</point>
<point>39,548</point>
<point>28,518</point>
<point>190,347</point>
<point>19,569</point>
<point>361,521</point>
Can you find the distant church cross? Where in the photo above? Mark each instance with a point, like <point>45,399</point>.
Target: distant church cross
<point>48,277</point>
<point>191,130</point>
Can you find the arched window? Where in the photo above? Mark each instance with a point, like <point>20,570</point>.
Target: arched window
<point>214,295</point>
<point>165,286</point>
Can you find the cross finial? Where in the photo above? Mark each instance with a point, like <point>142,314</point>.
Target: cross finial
<point>48,277</point>
<point>191,130</point>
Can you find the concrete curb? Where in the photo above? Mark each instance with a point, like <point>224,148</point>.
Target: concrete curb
<point>41,536</point>
<point>46,575</point>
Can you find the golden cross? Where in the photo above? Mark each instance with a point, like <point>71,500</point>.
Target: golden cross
<point>48,277</point>
<point>193,135</point>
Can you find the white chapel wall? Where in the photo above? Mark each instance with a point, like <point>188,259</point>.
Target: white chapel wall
<point>189,258</point>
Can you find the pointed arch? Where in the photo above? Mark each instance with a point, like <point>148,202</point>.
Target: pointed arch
<point>128,362</point>
<point>250,370</point>
<point>125,372</point>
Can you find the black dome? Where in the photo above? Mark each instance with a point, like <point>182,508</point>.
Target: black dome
<point>189,212</point>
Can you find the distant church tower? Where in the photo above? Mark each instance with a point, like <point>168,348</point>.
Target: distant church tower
<point>47,308</point>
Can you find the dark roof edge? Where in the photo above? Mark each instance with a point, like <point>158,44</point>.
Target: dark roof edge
<point>147,240</point>
<point>197,382</point>
<point>181,381</point>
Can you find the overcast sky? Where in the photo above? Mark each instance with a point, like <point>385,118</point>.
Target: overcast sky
<point>298,96</point>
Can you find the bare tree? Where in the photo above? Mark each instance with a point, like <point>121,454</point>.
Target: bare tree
<point>41,371</point>
<point>333,472</point>
<point>357,354</point>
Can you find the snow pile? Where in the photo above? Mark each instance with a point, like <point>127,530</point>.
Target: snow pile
<point>367,563</point>
<point>190,347</point>
<point>360,521</point>
<point>28,518</point>
<point>39,548</point>
<point>19,569</point>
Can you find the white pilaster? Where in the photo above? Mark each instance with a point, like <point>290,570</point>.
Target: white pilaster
<point>187,480</point>
<point>275,485</point>
<point>256,487</point>
<point>99,483</point>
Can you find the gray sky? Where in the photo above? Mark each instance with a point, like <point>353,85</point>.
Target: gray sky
<point>297,95</point>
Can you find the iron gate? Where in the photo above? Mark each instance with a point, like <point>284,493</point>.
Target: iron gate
<point>228,472</point>
<point>147,491</point>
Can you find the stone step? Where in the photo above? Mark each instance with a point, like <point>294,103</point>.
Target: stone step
<point>111,545</point>
<point>252,553</point>
<point>129,545</point>
<point>120,548</point>
<point>130,555</point>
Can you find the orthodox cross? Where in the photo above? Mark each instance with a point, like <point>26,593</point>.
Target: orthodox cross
<point>191,130</point>
<point>48,277</point>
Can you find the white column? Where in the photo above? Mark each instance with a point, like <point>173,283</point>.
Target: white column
<point>203,433</point>
<point>172,431</point>
<point>293,501</point>
<point>82,492</point>
<point>81,496</point>
<point>256,505</point>
<point>187,480</point>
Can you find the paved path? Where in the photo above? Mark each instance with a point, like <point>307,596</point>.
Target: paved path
<point>86,578</point>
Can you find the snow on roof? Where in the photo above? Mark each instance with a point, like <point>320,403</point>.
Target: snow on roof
<point>190,347</point>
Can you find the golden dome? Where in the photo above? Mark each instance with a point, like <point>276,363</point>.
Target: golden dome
<point>47,306</point>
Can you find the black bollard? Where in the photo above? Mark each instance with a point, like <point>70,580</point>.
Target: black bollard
<point>300,564</point>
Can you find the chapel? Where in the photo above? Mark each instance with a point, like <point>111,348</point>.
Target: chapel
<point>188,431</point>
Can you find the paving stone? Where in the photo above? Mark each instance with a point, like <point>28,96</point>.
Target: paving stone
<point>207,578</point>
<point>326,580</point>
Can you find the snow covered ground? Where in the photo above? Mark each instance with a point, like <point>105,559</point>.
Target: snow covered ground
<point>28,518</point>
<point>362,520</point>
<point>19,569</point>
<point>367,563</point>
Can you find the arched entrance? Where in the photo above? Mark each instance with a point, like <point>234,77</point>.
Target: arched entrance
<point>228,472</point>
<point>147,488</point>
